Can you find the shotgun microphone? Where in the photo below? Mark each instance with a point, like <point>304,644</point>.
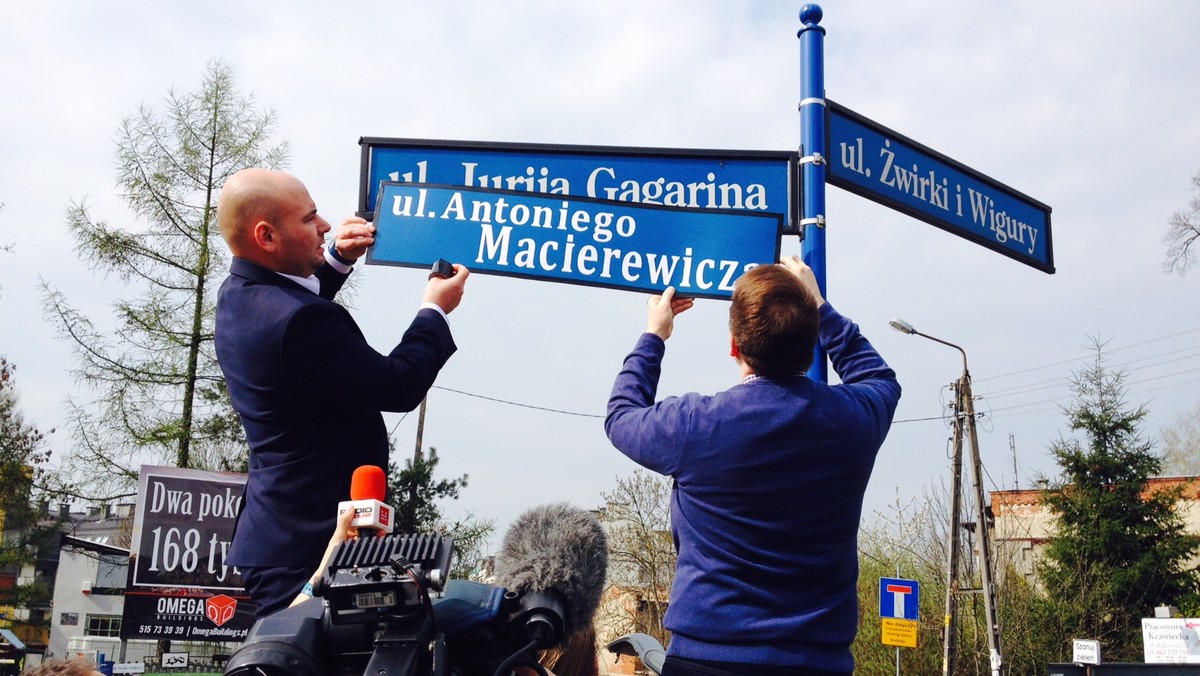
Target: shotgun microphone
<point>555,558</point>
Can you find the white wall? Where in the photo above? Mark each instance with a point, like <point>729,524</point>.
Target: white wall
<point>75,568</point>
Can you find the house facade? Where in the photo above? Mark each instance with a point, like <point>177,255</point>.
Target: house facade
<point>1023,524</point>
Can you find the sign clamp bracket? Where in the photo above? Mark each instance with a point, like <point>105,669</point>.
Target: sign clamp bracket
<point>816,159</point>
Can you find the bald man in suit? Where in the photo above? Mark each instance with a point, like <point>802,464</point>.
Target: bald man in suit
<point>308,387</point>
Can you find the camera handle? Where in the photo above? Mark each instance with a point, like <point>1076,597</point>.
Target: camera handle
<point>644,647</point>
<point>400,649</point>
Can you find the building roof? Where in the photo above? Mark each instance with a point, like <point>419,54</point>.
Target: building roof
<point>1033,497</point>
<point>11,639</point>
<point>93,545</point>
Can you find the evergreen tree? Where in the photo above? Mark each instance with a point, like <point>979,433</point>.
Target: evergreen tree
<point>1119,549</point>
<point>160,394</point>
<point>414,493</point>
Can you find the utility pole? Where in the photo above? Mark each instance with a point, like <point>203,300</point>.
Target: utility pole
<point>964,424</point>
<point>412,490</point>
<point>950,630</point>
<point>1012,446</point>
<point>983,539</point>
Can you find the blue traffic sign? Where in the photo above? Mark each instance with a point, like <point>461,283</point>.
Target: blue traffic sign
<point>875,162</point>
<point>898,598</point>
<point>607,243</point>
<point>731,180</point>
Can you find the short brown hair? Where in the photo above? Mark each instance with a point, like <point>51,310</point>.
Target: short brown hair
<point>75,667</point>
<point>773,320</point>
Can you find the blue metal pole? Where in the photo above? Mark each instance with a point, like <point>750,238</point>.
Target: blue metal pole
<point>812,156</point>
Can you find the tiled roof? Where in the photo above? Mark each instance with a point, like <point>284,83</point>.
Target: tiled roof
<point>1026,498</point>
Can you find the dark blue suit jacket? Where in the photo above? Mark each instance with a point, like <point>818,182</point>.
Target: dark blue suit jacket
<point>309,390</point>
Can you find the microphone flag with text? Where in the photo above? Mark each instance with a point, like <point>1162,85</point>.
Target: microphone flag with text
<point>368,488</point>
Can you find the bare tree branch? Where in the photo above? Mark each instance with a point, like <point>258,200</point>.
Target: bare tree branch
<point>1182,234</point>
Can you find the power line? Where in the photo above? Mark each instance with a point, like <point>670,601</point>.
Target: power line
<point>909,420</point>
<point>1155,340</point>
<point>1167,357</point>
<point>1069,361</point>
<point>1065,398</point>
<point>1058,380</point>
<point>1013,408</point>
<point>1003,392</point>
<point>518,404</point>
<point>1125,367</point>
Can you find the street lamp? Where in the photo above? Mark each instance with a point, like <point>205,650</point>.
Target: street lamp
<point>904,327</point>
<point>964,410</point>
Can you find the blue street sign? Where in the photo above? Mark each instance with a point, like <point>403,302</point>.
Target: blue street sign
<point>608,243</point>
<point>898,598</point>
<point>757,181</point>
<point>877,163</point>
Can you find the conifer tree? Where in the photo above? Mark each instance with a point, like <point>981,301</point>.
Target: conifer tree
<point>159,395</point>
<point>414,492</point>
<point>1119,549</point>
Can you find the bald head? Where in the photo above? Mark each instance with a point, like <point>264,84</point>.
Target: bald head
<point>267,217</point>
<point>249,197</point>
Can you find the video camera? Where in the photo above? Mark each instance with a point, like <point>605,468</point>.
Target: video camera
<point>374,614</point>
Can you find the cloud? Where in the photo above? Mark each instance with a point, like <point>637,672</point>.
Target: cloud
<point>1089,108</point>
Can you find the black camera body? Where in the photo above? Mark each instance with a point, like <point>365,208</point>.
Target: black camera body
<point>375,613</point>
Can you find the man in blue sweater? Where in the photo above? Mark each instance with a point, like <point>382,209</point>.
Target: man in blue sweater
<point>769,479</point>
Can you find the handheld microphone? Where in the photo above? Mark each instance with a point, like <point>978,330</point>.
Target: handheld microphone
<point>555,558</point>
<point>368,487</point>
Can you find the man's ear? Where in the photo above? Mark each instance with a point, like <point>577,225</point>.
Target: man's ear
<point>733,349</point>
<point>264,235</point>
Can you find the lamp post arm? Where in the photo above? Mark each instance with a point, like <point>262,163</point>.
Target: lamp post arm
<point>945,342</point>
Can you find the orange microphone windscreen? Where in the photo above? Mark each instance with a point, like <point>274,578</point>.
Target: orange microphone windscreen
<point>368,483</point>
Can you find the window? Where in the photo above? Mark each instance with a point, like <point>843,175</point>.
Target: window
<point>103,625</point>
<point>112,572</point>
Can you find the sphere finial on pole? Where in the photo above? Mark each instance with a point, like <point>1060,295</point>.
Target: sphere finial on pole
<point>810,15</point>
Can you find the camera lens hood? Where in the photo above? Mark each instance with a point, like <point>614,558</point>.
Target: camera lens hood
<point>273,658</point>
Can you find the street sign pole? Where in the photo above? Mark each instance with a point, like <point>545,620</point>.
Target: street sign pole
<point>813,157</point>
<point>897,647</point>
<point>899,613</point>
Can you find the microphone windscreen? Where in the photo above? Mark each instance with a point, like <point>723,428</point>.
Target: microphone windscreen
<point>368,483</point>
<point>557,548</point>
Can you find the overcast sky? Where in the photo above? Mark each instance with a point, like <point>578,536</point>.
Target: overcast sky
<point>1089,107</point>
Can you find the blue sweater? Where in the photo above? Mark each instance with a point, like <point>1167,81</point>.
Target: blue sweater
<point>769,482</point>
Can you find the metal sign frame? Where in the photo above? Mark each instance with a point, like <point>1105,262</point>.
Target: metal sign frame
<point>538,165</point>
